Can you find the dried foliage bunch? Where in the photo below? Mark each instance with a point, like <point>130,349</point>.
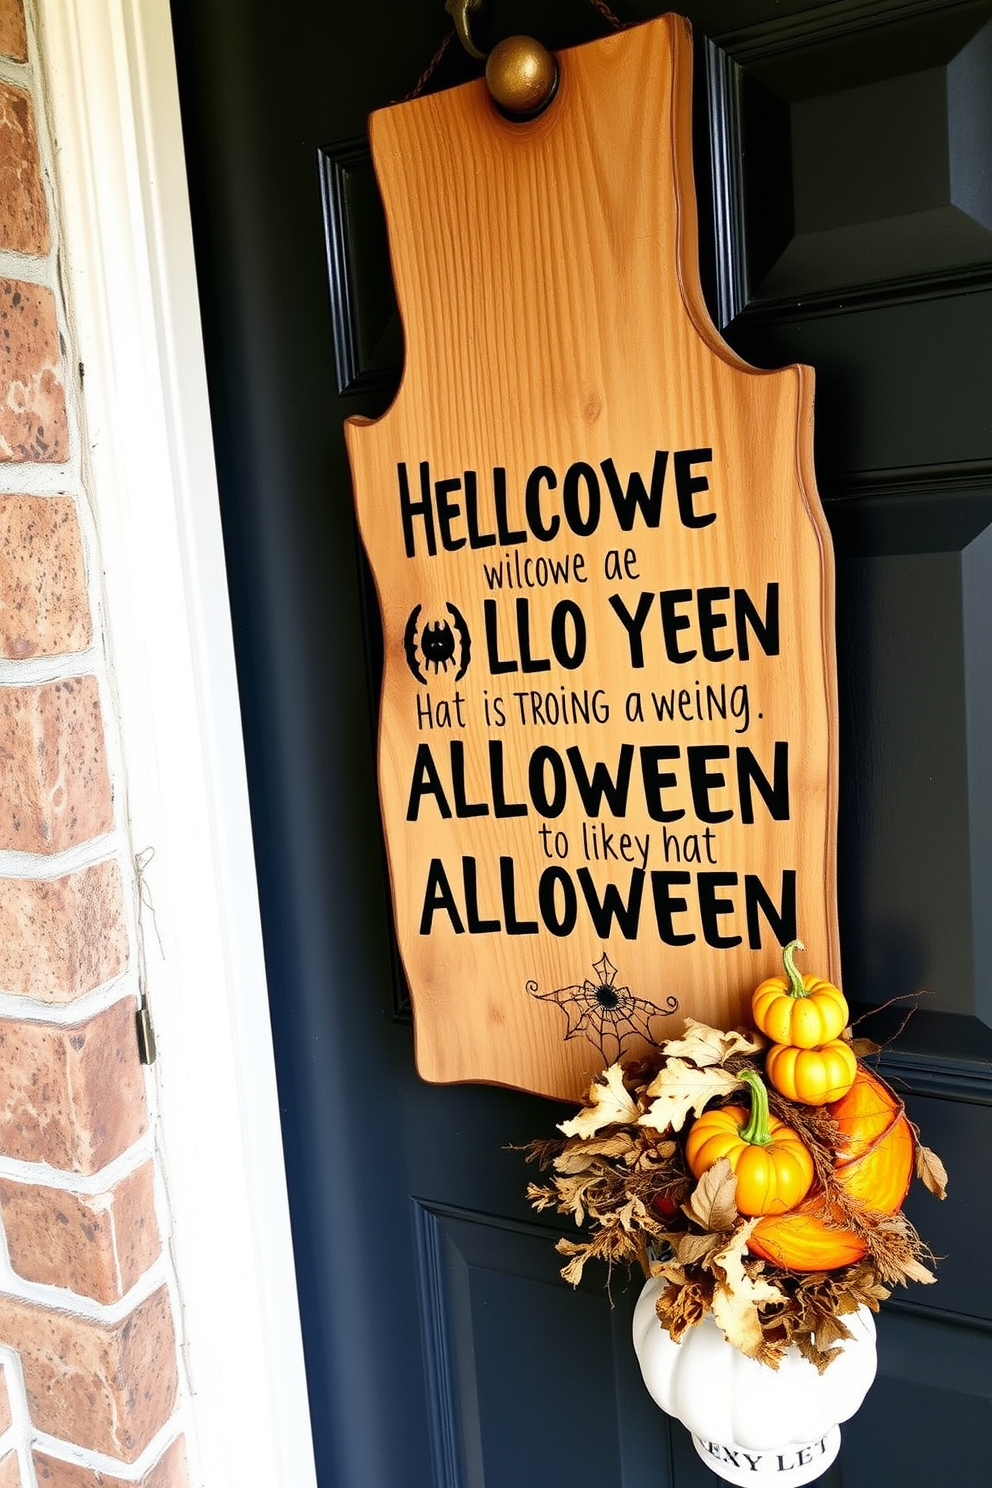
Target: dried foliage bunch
<point>778,1244</point>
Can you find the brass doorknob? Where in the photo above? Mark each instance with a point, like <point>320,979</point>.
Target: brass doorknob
<point>522,76</point>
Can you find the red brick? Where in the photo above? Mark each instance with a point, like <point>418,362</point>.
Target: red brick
<point>62,937</point>
<point>169,1472</point>
<point>13,32</point>
<point>32,392</point>
<point>44,607</point>
<point>23,212</point>
<point>54,785</point>
<point>10,1471</point>
<point>107,1387</point>
<point>73,1097</point>
<point>5,1416</point>
<point>95,1244</point>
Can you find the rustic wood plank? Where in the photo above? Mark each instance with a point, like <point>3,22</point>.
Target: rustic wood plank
<point>546,276</point>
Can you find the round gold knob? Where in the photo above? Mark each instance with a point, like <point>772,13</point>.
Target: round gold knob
<point>522,76</point>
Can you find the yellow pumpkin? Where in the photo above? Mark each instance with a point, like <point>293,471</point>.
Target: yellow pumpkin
<point>813,1077</point>
<point>802,1010</point>
<point>773,1166</point>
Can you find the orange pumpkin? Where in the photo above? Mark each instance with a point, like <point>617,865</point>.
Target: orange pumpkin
<point>802,1010</point>
<point>875,1167</point>
<point>813,1077</point>
<point>773,1165</point>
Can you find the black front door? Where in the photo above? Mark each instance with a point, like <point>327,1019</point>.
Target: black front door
<point>843,154</point>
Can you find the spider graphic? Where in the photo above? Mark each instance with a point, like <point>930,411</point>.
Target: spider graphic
<point>437,645</point>
<point>607,1015</point>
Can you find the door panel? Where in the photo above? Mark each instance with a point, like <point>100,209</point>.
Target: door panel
<point>882,378</point>
<point>885,131</point>
<point>443,1349</point>
<point>487,1281</point>
<point>956,1229</point>
<point>934,1380</point>
<point>902,615</point>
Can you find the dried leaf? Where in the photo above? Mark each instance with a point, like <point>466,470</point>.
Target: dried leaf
<point>830,1331</point>
<point>681,1307</point>
<point>572,1273</point>
<point>818,1357</point>
<point>578,1158</point>
<point>651,1154</point>
<point>612,1245</point>
<point>573,1193</point>
<point>865,1047</point>
<point>610,1105</point>
<point>714,1199</point>
<point>707,1046</point>
<point>541,1197</point>
<point>692,1248</point>
<point>679,1088</point>
<point>737,1296</point>
<point>914,1270</point>
<point>931,1171</point>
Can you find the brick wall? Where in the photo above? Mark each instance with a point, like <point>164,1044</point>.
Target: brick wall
<point>90,1383</point>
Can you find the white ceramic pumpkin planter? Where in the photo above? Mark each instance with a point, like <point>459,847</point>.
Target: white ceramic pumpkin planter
<point>746,1419</point>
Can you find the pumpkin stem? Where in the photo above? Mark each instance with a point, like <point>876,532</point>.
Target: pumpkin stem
<point>758,1131</point>
<point>797,987</point>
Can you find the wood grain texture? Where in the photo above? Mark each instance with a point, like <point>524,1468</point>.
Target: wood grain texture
<point>546,275</point>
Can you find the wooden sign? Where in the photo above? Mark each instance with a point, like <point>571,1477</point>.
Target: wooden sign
<point>607,752</point>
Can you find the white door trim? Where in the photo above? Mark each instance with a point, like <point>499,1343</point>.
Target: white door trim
<point>129,270</point>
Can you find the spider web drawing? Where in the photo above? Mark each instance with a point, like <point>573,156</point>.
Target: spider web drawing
<point>609,1016</point>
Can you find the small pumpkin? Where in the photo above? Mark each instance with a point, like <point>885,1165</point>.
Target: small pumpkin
<point>803,1010</point>
<point>773,1166</point>
<point>813,1077</point>
<point>875,1167</point>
